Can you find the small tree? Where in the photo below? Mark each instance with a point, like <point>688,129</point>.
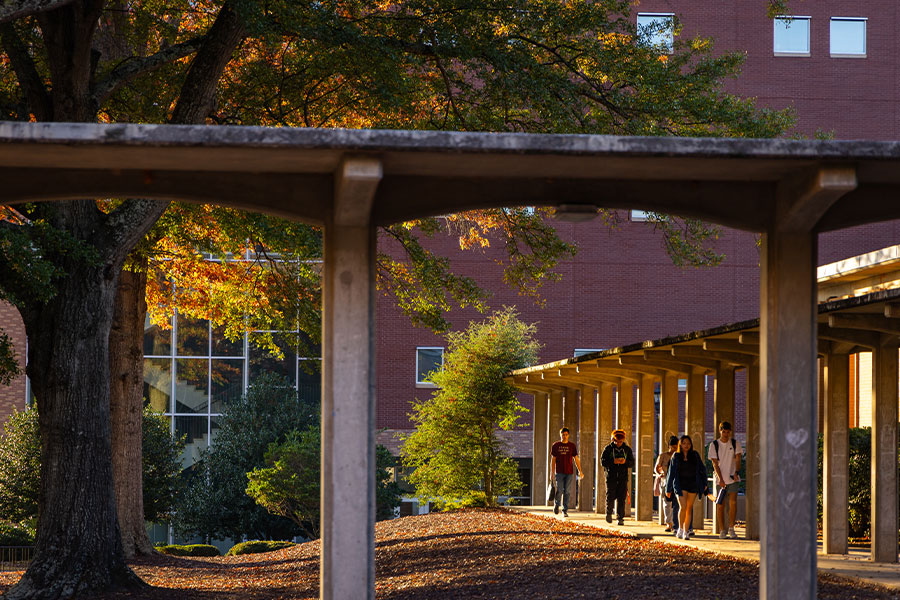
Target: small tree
<point>457,456</point>
<point>161,466</point>
<point>290,485</point>
<point>20,467</point>
<point>215,505</point>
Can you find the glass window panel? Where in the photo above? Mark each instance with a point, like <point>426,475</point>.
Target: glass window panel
<point>848,36</point>
<point>428,360</point>
<point>264,361</point>
<point>193,336</point>
<point>191,385</point>
<point>222,346</point>
<point>157,341</point>
<point>656,31</point>
<point>158,384</point>
<point>196,438</point>
<point>309,380</point>
<point>213,430</point>
<point>227,380</point>
<point>792,35</point>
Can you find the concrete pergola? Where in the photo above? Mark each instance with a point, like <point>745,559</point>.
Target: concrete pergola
<point>349,182</point>
<point>866,323</point>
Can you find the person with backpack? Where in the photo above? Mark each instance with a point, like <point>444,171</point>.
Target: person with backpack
<point>687,480</point>
<point>725,455</point>
<point>616,459</point>
<point>668,502</point>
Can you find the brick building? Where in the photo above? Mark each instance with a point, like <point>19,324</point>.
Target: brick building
<point>621,287</point>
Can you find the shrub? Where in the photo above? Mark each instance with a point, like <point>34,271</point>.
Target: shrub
<point>257,547</point>
<point>16,534</point>
<point>189,550</point>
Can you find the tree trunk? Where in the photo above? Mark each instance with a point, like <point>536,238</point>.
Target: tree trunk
<point>78,546</point>
<point>126,407</point>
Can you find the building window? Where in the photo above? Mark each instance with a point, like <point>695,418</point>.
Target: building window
<point>582,351</point>
<point>791,36</point>
<point>639,215</point>
<point>428,360</point>
<point>848,37</point>
<point>657,30</point>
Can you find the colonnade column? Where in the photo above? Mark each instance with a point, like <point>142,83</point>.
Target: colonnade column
<point>884,454</point>
<point>723,410</point>
<point>347,570</point>
<point>570,414</point>
<point>540,451</point>
<point>788,414</point>
<point>624,416</point>
<point>668,419</point>
<point>695,424</point>
<point>753,471</point>
<point>554,424</point>
<point>604,427</point>
<point>836,453</point>
<point>586,445</point>
<point>644,451</point>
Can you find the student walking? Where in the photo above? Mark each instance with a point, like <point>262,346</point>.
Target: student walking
<point>725,455</point>
<point>687,480</point>
<point>617,458</point>
<point>563,454</point>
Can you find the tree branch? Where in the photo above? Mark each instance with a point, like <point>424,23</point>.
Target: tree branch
<point>134,66</point>
<point>198,93</point>
<point>10,10</point>
<point>27,74</point>
<point>129,223</point>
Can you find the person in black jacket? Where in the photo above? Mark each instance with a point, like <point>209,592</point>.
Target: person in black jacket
<point>617,458</point>
<point>687,480</point>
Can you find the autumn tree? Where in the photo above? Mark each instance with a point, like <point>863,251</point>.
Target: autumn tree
<point>457,455</point>
<point>554,67</point>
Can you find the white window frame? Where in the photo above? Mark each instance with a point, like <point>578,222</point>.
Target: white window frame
<point>427,384</point>
<point>582,351</point>
<point>669,44</point>
<point>639,216</point>
<point>864,53</point>
<point>775,23</point>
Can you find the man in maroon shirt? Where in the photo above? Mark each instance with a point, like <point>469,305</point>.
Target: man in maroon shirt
<point>563,454</point>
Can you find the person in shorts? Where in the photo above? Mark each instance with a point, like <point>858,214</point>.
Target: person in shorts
<point>725,455</point>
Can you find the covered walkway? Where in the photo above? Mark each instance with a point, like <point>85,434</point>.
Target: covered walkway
<point>855,564</point>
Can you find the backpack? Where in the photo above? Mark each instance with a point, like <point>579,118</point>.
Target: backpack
<point>733,445</point>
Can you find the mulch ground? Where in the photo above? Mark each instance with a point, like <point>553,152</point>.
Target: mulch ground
<point>479,554</point>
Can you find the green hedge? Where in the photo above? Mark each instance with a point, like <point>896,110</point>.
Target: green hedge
<point>257,547</point>
<point>16,534</point>
<point>189,550</point>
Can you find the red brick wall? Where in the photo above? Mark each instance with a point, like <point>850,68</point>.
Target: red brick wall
<point>12,397</point>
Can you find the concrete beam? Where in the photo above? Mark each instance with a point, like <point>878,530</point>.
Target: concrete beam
<point>691,352</point>
<point>857,337</point>
<point>803,202</point>
<point>667,366</point>
<point>892,310</point>
<point>689,364</point>
<point>355,183</point>
<point>864,322</point>
<point>731,346</point>
<point>590,370</point>
<point>749,337</point>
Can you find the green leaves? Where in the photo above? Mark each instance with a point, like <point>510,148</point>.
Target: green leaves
<point>457,456</point>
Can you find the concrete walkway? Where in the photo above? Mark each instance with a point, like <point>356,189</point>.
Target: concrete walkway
<point>855,565</point>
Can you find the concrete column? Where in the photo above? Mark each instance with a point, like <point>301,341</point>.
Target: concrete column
<point>723,410</point>
<point>695,425</point>
<point>752,454</point>
<point>555,423</point>
<point>570,414</point>
<point>644,452</point>
<point>586,445</point>
<point>539,476</point>
<point>884,454</point>
<point>668,417</point>
<point>821,400</point>
<point>604,429</point>
<point>788,415</point>
<point>347,569</point>
<point>624,417</point>
<point>836,454</point>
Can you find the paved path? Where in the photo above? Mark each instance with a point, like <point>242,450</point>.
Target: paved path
<point>856,564</point>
